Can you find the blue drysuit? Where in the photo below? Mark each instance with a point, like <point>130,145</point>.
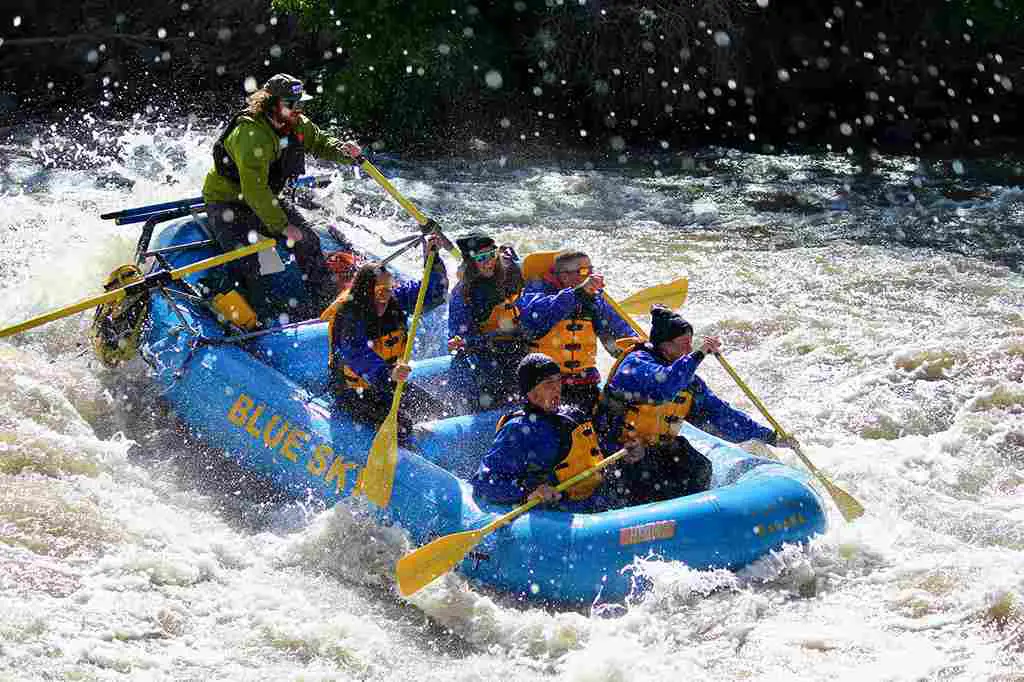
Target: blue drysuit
<point>352,339</point>
<point>644,375</point>
<point>526,450</point>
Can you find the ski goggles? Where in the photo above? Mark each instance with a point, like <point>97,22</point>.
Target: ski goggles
<point>484,256</point>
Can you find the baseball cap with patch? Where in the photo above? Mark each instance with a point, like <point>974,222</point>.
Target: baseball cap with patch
<point>288,88</point>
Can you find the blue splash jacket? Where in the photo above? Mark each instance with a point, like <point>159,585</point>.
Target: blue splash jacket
<point>644,375</point>
<point>524,454</point>
<point>542,305</point>
<point>354,349</point>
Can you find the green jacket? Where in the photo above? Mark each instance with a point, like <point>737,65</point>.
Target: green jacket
<point>253,146</point>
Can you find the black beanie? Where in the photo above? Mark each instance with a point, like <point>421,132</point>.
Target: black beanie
<point>533,369</point>
<point>474,242</point>
<point>667,325</point>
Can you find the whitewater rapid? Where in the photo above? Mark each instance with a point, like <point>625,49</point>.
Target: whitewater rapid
<point>880,321</point>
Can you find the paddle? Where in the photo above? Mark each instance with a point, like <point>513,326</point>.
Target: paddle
<point>424,221</point>
<point>143,213</point>
<point>418,568</point>
<point>848,506</point>
<point>625,316</point>
<point>378,475</point>
<point>671,295</point>
<point>151,280</point>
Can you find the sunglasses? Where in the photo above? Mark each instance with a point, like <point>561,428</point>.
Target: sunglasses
<point>484,256</point>
<point>582,272</point>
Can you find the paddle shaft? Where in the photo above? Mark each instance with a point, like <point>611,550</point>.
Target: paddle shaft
<point>624,315</point>
<point>301,181</point>
<point>378,476</point>
<point>153,279</point>
<point>848,505</point>
<point>420,218</point>
<point>511,516</point>
<point>421,297</point>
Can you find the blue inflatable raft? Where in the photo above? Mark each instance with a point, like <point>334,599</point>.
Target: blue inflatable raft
<point>265,403</point>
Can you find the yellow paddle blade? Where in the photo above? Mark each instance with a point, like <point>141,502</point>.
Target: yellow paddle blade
<point>418,569</point>
<point>849,507</point>
<point>671,295</point>
<point>379,474</point>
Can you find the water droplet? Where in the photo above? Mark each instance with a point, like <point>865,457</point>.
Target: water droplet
<point>722,39</point>
<point>846,129</point>
<point>493,79</point>
<point>783,75</point>
<point>250,84</point>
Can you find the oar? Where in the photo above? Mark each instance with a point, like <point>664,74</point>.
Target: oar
<point>151,280</point>
<point>418,568</point>
<point>671,295</point>
<point>625,316</point>
<point>122,217</point>
<point>378,475</point>
<point>848,506</point>
<point>423,220</point>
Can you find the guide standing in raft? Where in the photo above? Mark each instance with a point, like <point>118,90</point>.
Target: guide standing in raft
<point>260,150</point>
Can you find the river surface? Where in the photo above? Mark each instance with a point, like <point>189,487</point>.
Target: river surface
<point>880,318</point>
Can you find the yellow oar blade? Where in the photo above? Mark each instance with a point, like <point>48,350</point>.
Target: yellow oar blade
<point>118,294</point>
<point>671,295</point>
<point>84,304</point>
<point>379,474</point>
<point>418,569</point>
<point>849,507</point>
